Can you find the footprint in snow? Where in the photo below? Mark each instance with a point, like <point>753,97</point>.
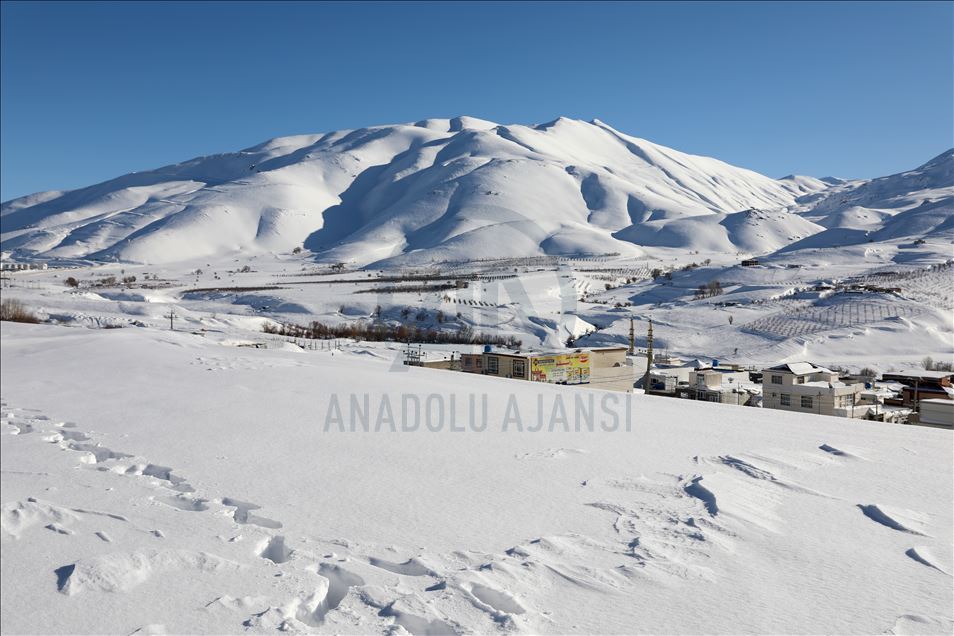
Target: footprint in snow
<point>275,550</point>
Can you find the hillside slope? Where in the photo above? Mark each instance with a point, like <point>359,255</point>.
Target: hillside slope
<point>915,204</point>
<point>446,189</point>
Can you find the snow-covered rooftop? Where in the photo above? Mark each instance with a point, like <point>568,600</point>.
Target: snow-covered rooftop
<point>800,368</point>
<point>824,385</point>
<point>921,373</point>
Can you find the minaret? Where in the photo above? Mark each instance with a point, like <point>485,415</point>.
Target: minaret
<point>649,356</point>
<point>632,338</point>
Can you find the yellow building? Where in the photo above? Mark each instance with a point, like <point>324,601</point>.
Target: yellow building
<point>561,368</point>
<point>601,367</point>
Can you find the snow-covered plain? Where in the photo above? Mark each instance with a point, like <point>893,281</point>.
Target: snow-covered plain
<point>165,481</point>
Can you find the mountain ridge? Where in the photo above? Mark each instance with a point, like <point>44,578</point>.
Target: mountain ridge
<point>458,188</point>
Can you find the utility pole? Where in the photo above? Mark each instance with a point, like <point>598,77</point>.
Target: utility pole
<point>649,356</point>
<point>632,338</point>
<point>414,358</point>
<point>171,316</point>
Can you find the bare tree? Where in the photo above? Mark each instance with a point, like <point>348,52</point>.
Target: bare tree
<point>15,311</point>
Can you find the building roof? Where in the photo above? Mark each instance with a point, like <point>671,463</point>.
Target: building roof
<point>920,373</point>
<point>938,401</point>
<point>880,391</point>
<point>924,389</point>
<point>825,385</point>
<point>550,354</point>
<point>891,386</point>
<point>671,372</point>
<point>511,354</point>
<point>800,368</point>
<point>741,387</point>
<point>894,409</point>
<point>538,354</point>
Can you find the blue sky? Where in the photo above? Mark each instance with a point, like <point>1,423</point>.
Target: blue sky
<point>92,91</point>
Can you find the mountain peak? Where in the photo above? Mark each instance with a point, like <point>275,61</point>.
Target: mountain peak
<point>945,157</point>
<point>464,122</point>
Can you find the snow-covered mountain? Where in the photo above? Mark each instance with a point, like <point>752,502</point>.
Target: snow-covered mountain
<point>918,203</point>
<point>465,188</point>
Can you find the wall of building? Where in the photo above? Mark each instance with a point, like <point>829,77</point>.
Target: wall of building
<point>561,368</point>
<point>619,378</point>
<point>505,364</point>
<point>937,413</point>
<point>911,395</point>
<point>715,379</point>
<point>822,402</point>
<point>609,369</point>
<point>438,364</point>
<point>607,358</point>
<point>472,362</point>
<point>738,398</point>
<point>790,379</point>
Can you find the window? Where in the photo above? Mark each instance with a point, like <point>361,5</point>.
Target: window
<point>806,401</point>
<point>799,379</point>
<point>492,362</point>
<point>519,369</point>
<point>468,362</point>
<point>776,379</point>
<point>714,397</point>
<point>785,399</point>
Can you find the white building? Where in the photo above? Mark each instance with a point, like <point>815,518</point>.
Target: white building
<point>10,266</point>
<point>727,386</point>
<point>667,380</point>
<point>808,388</point>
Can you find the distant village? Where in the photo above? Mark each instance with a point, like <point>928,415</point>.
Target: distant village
<point>922,396</point>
